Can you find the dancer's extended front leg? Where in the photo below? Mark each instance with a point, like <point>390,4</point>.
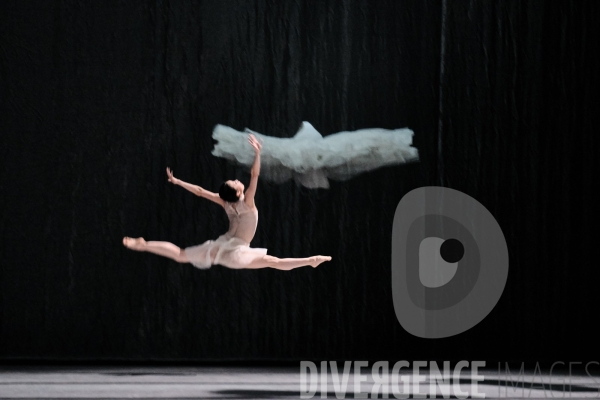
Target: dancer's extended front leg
<point>164,249</point>
<point>288,263</point>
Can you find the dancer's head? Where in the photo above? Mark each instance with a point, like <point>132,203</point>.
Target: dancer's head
<point>231,191</point>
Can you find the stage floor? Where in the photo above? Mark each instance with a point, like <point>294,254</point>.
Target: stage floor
<point>248,383</point>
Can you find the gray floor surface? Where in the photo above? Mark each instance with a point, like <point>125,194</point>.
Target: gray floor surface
<point>259,383</point>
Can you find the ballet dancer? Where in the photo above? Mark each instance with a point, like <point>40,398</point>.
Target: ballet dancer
<point>232,249</point>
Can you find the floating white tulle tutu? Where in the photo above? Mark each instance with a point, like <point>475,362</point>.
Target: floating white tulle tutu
<point>312,159</point>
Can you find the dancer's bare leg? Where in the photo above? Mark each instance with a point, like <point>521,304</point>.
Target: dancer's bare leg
<point>164,249</point>
<point>288,263</point>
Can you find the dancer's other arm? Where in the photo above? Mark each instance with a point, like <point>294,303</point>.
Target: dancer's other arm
<point>254,171</point>
<point>197,190</point>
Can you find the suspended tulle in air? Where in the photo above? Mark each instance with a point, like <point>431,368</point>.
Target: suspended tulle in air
<point>311,159</point>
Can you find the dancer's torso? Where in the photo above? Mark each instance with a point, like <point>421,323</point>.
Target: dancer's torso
<point>243,220</point>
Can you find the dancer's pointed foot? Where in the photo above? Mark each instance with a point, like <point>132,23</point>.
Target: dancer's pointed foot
<point>138,244</point>
<point>316,260</point>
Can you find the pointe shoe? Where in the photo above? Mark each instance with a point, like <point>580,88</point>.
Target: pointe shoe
<point>316,260</point>
<point>134,244</point>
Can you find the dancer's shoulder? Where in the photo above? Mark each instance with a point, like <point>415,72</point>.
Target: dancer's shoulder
<point>239,207</point>
<point>250,206</point>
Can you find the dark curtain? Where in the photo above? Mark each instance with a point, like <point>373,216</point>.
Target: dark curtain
<point>99,97</point>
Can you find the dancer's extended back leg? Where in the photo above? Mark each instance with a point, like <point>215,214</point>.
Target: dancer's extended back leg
<point>164,249</point>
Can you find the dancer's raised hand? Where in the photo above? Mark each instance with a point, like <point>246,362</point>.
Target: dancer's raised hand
<point>256,145</point>
<point>172,179</point>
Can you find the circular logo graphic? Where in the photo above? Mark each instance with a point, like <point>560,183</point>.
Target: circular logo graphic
<point>449,262</point>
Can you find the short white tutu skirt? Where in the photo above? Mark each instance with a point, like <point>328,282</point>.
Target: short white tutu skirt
<point>230,252</point>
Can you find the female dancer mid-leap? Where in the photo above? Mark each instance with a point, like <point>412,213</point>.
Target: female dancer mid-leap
<point>232,249</point>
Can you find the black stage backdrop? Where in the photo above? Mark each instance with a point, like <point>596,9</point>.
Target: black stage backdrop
<point>99,97</point>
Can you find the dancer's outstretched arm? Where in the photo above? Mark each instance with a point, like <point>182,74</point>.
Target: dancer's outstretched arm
<point>254,171</point>
<point>197,190</point>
